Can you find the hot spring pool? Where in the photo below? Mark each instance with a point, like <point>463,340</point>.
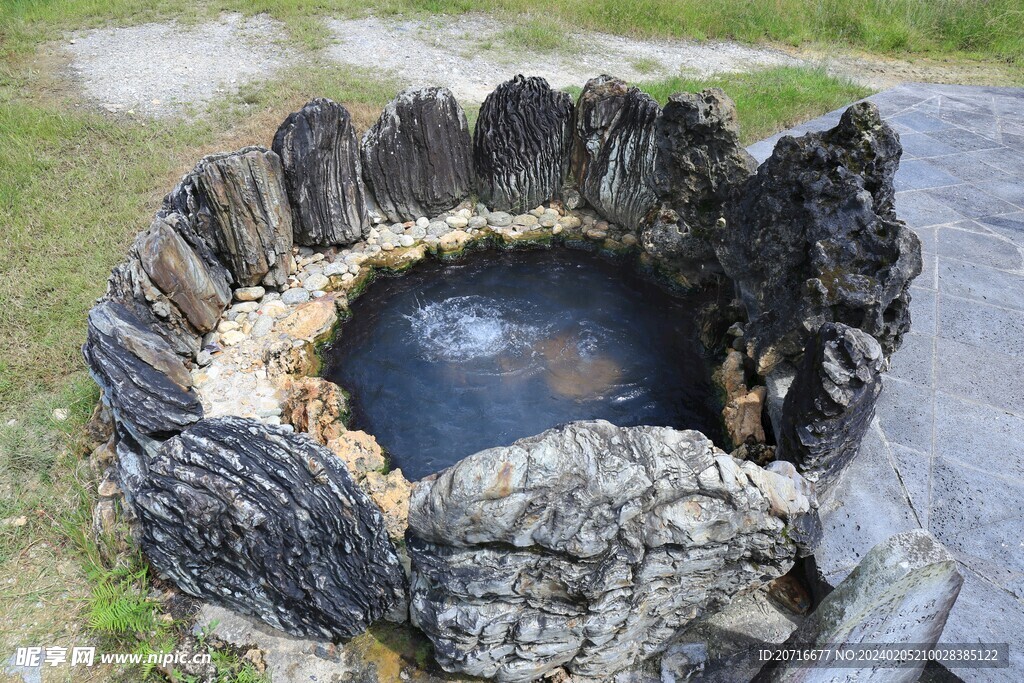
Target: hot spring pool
<point>454,358</point>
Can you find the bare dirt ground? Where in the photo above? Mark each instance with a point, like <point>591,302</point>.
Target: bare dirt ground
<point>167,69</point>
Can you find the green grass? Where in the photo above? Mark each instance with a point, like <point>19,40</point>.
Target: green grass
<point>771,100</point>
<point>992,29</point>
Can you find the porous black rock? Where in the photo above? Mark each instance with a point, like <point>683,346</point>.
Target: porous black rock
<point>267,522</point>
<point>614,149</point>
<point>813,238</point>
<point>588,546</point>
<point>238,204</point>
<point>521,144</point>
<point>698,168</point>
<point>323,174</point>
<point>418,156</point>
<point>144,381</point>
<point>829,406</point>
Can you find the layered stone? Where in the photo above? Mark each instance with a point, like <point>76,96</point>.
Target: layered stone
<point>418,156</point>
<point>614,146</point>
<point>237,202</point>
<point>521,144</point>
<point>268,523</point>
<point>323,174</point>
<point>588,546</point>
<point>813,238</point>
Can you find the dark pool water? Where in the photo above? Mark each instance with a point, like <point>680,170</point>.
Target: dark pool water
<point>454,358</point>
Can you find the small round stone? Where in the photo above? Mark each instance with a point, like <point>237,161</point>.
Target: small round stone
<point>548,220</point>
<point>295,296</point>
<point>422,222</point>
<point>249,293</point>
<point>262,327</point>
<point>457,222</point>
<point>405,240</point>
<point>438,228</point>
<point>499,219</point>
<point>316,282</point>
<point>387,246</point>
<point>477,222</point>
<point>418,232</point>
<point>526,220</point>
<point>629,239</point>
<point>233,337</point>
<point>227,326</point>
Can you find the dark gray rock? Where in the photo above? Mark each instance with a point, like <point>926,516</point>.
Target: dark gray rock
<point>521,144</point>
<point>237,202</point>
<point>901,593</point>
<point>698,167</point>
<point>587,546</point>
<point>813,238</point>
<point>144,382</point>
<point>614,149</point>
<point>831,402</point>
<point>323,174</point>
<point>197,286</point>
<point>268,523</point>
<point>418,157</point>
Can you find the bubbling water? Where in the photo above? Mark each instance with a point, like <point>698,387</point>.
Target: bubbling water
<point>451,359</point>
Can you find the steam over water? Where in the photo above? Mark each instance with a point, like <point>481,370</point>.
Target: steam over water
<point>451,359</point>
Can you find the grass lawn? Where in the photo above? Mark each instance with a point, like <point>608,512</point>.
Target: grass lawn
<point>76,185</point>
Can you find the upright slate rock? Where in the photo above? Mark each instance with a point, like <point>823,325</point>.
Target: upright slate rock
<point>814,238</point>
<point>198,287</point>
<point>323,174</point>
<point>901,593</point>
<point>237,202</point>
<point>698,168</point>
<point>521,144</point>
<point>831,402</point>
<point>588,546</point>
<point>614,150</point>
<point>144,382</point>
<point>418,158</point>
<point>268,523</point>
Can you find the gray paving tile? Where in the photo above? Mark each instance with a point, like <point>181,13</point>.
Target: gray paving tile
<point>962,370</point>
<point>928,278</point>
<point>919,145</point>
<point>927,237</point>
<point>920,122</point>
<point>962,499</point>
<point>920,210</point>
<point>991,443</point>
<point>1008,190</point>
<point>982,123</point>
<point>923,311</point>
<point>970,241</point>
<point>982,326</point>
<point>965,140</point>
<point>1010,226</point>
<point>905,414</point>
<point>981,283</point>
<point>918,174</point>
<point>970,201</point>
<point>1005,159</point>
<point>970,167</point>
<point>914,468</point>
<point>913,361</point>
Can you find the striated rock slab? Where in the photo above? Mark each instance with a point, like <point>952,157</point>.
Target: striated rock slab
<point>587,546</point>
<point>323,174</point>
<point>197,286</point>
<point>237,202</point>
<point>813,238</point>
<point>418,157</point>
<point>313,406</point>
<point>831,402</point>
<point>698,167</point>
<point>521,144</point>
<point>144,382</point>
<point>901,593</point>
<point>614,149</point>
<point>268,523</point>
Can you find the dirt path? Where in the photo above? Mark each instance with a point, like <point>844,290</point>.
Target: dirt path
<point>168,69</point>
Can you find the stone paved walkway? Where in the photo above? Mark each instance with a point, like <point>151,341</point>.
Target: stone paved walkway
<point>946,451</point>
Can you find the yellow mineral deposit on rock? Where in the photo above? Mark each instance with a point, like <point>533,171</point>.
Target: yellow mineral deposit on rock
<point>742,416</point>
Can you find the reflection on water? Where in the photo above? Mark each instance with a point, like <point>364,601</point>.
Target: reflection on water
<point>449,360</point>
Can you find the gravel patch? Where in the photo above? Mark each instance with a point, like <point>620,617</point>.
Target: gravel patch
<point>466,55</point>
<point>163,69</point>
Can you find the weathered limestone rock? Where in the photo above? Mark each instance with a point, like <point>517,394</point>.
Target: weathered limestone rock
<point>813,238</point>
<point>197,286</point>
<point>144,382</point>
<point>268,523</point>
<point>314,406</point>
<point>614,150</point>
<point>369,467</point>
<point>900,593</point>
<point>587,546</point>
<point>238,204</point>
<point>698,167</point>
<point>418,157</point>
<point>829,406</point>
<point>742,416</point>
<point>323,174</point>
<point>521,144</point>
